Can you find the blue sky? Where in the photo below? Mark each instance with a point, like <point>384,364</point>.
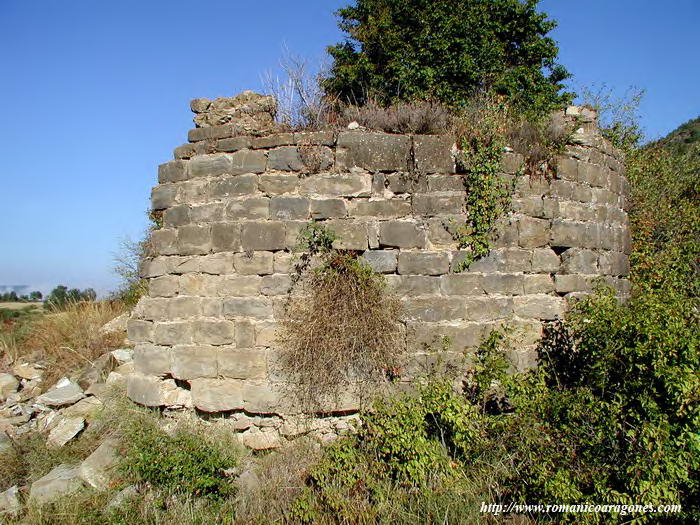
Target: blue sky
<point>96,95</point>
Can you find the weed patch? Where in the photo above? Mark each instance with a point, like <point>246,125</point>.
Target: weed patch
<point>342,326</point>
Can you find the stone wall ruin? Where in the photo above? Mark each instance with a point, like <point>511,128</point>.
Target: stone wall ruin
<point>235,198</point>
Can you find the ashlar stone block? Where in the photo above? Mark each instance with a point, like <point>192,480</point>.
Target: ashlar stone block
<point>213,331</point>
<point>263,236</point>
<point>194,361</point>
<point>217,395</point>
<point>242,363</point>
<point>401,234</point>
<point>257,263</point>
<point>423,263</point>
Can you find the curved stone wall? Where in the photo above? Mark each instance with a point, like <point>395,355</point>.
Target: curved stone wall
<point>233,206</point>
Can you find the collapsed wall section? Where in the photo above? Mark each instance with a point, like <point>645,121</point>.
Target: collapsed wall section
<point>233,205</point>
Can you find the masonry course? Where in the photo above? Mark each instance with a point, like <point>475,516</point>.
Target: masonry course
<point>235,199</point>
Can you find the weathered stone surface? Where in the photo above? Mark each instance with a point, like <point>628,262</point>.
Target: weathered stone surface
<point>184,307</point>
<point>350,235</point>
<point>177,216</point>
<point>401,234</point>
<point>263,236</point>
<point>96,469</point>
<point>341,185</point>
<point>613,263</point>
<point>572,283</point>
<point>410,285</point>
<point>328,209</point>
<point>210,165</point>
<point>233,144</point>
<point>274,140</point>
<point>462,284</point>
<point>248,112</point>
<point>433,153</point>
<point>576,260</point>
<point>284,159</point>
<point>535,284</point>
<point>66,429</point>
<point>289,208</point>
<point>423,263</point>
<point>224,187</point>
<point>88,408</point>
<point>8,385</point>
<point>217,395</point>
<point>226,237</point>
<point>213,332</point>
<point>9,501</point>
<point>545,260</point>
<point>173,171</point>
<point>385,208</point>
<point>66,394</point>
<point>172,333</point>
<point>435,308</point>
<point>239,286</point>
<point>164,196</point>
<point>382,261</point>
<point>263,439</point>
<point>430,205</point>
<point>503,284</point>
<point>193,239</point>
<point>487,308</point>
<point>278,184</point>
<point>275,284</point>
<point>194,361</point>
<point>242,363</point>
<point>249,307</point>
<point>258,263</point>
<point>533,233</point>
<point>260,397</point>
<point>61,481</point>
<point>248,162</point>
<point>164,242</point>
<point>374,151</point>
<point>250,208</point>
<point>544,307</point>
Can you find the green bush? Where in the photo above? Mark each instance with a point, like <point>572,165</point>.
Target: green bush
<point>185,462</point>
<point>610,416</point>
<point>445,51</point>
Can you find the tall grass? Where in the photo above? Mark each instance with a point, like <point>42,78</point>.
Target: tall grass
<point>67,340</point>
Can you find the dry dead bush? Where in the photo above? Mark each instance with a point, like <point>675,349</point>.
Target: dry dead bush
<point>274,482</point>
<point>422,118</point>
<point>341,330</point>
<point>71,339</point>
<point>488,119</point>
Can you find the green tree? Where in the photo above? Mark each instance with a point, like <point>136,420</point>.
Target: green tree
<point>445,51</point>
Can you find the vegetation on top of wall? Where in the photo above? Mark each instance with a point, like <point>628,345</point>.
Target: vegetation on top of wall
<point>446,51</point>
<point>341,325</point>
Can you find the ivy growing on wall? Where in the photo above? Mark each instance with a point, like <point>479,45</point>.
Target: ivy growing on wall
<point>488,196</point>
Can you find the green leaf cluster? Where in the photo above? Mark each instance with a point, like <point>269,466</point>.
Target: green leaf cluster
<point>186,462</point>
<point>446,51</point>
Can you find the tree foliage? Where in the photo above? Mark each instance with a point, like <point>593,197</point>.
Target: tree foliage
<point>446,50</point>
<point>62,296</point>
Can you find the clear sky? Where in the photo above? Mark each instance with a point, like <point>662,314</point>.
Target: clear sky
<point>96,95</point>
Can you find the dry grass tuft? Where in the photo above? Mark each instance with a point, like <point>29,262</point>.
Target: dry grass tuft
<point>274,483</point>
<point>341,329</point>
<point>421,118</point>
<point>71,339</point>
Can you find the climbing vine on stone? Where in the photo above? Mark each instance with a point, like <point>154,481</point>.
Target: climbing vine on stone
<point>488,196</point>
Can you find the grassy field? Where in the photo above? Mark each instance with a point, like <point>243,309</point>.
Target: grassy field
<point>20,306</point>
